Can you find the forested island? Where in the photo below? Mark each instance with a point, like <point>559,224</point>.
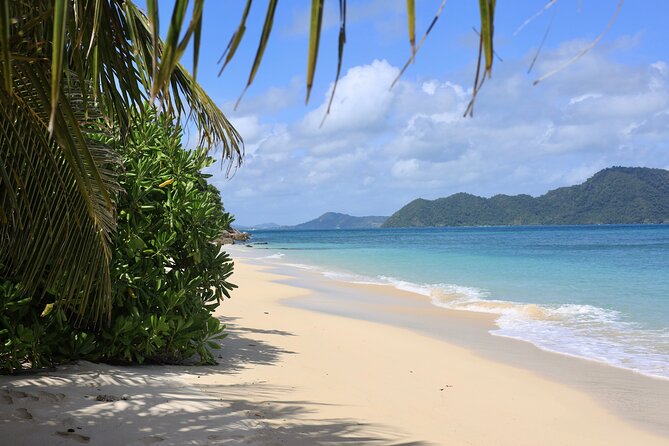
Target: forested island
<point>616,195</point>
<point>335,220</point>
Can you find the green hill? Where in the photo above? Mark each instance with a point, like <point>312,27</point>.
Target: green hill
<point>334,220</point>
<point>617,195</point>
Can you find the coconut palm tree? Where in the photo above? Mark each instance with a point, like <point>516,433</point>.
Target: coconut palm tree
<point>68,69</point>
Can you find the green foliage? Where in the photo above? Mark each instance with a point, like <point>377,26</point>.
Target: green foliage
<point>22,333</point>
<point>617,195</point>
<point>37,331</point>
<point>167,275</point>
<point>227,219</point>
<point>63,65</point>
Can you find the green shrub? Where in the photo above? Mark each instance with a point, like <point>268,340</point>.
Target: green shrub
<point>167,275</point>
<point>22,332</point>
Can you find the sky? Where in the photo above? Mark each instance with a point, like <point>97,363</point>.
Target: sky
<point>380,148</point>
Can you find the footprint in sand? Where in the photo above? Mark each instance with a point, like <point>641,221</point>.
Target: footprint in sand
<point>5,398</point>
<point>153,439</point>
<point>69,421</point>
<point>51,397</point>
<point>76,437</point>
<point>23,413</point>
<point>17,394</point>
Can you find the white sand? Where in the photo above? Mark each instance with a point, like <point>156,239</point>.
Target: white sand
<point>289,376</point>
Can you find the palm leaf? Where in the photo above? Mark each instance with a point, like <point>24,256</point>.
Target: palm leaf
<point>585,50</point>
<point>197,35</point>
<point>152,8</point>
<point>420,44</point>
<point>543,41</point>
<point>314,40</point>
<point>487,12</point>
<point>4,46</point>
<point>469,111</point>
<point>545,8</point>
<point>58,50</point>
<point>264,37</point>
<point>60,223</point>
<point>236,38</point>
<point>486,52</point>
<point>185,97</point>
<point>411,18</point>
<point>73,66</point>
<point>340,55</point>
<point>169,56</point>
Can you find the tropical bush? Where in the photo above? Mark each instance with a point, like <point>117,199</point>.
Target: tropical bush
<point>167,276</point>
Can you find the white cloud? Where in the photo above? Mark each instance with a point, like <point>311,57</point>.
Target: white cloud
<point>381,148</point>
<point>362,101</point>
<point>584,97</point>
<point>405,168</point>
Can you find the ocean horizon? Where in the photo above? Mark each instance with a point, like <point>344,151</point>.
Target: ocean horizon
<point>597,292</point>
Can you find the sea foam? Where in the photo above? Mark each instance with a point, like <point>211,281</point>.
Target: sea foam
<point>578,330</point>
<point>277,255</point>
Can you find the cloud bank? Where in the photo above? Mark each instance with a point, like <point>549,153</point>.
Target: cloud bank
<point>381,148</point>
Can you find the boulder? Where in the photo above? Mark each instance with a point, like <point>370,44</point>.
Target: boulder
<point>230,236</point>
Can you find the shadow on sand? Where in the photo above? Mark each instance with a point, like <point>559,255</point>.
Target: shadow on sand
<point>109,405</point>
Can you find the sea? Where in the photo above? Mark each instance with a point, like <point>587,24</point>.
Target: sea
<point>595,292</point>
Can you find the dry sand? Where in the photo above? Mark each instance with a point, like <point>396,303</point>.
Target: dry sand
<point>291,376</point>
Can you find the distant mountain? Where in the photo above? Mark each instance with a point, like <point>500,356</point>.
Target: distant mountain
<point>260,226</point>
<point>334,220</point>
<point>267,226</point>
<point>617,195</point>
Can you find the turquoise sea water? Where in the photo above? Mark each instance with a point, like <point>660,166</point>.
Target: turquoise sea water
<point>599,292</point>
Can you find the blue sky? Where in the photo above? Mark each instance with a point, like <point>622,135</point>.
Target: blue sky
<point>381,148</point>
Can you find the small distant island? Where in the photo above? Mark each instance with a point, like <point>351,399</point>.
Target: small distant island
<point>335,220</point>
<point>329,220</point>
<point>616,195</point>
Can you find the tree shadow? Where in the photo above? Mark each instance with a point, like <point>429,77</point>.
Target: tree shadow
<point>240,349</point>
<point>138,405</point>
<point>145,405</point>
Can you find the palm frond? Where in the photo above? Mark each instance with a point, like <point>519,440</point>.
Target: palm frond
<point>215,129</point>
<point>543,41</point>
<point>264,37</point>
<point>184,97</point>
<point>67,67</point>
<point>411,18</point>
<point>420,44</point>
<point>235,40</point>
<point>585,50</point>
<point>5,23</point>
<point>55,196</point>
<point>60,13</point>
<point>340,55</point>
<point>314,41</point>
<point>487,12</point>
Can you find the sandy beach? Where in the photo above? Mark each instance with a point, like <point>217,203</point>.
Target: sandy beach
<point>310,361</point>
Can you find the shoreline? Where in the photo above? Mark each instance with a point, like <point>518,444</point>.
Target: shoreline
<point>575,292</point>
<point>631,396</point>
<point>304,376</point>
<point>488,309</point>
<point>440,298</point>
